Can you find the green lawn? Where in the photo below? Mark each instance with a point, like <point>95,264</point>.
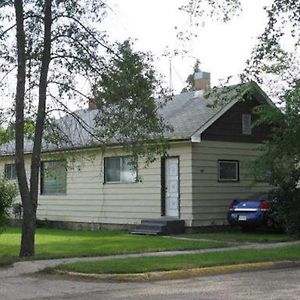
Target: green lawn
<point>52,243</point>
<point>251,237</point>
<point>7,260</point>
<point>183,262</point>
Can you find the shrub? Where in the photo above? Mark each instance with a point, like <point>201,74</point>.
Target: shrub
<point>8,192</point>
<point>287,208</point>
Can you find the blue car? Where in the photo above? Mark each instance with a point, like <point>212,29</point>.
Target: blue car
<point>250,213</point>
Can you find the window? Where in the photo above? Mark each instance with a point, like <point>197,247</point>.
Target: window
<point>53,177</point>
<point>246,124</point>
<point>119,169</point>
<point>228,170</point>
<point>10,171</point>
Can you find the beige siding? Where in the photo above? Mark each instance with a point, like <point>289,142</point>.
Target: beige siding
<point>210,197</point>
<point>89,199</point>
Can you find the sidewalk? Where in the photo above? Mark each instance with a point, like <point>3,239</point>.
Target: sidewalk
<point>28,267</point>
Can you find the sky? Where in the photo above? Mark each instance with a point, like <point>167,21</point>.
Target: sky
<point>221,48</point>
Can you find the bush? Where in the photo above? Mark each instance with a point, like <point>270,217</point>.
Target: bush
<point>8,192</point>
<point>287,208</point>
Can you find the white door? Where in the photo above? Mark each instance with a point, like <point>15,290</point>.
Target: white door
<point>172,187</point>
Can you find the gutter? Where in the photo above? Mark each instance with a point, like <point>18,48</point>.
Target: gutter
<point>80,148</point>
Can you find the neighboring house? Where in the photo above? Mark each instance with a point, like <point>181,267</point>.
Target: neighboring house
<point>206,167</point>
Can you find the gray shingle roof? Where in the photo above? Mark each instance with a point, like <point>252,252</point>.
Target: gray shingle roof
<point>186,113</point>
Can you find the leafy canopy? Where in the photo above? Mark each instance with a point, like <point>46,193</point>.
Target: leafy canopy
<point>129,96</point>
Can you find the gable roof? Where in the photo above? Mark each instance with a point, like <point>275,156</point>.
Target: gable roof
<point>192,113</point>
<point>189,114</point>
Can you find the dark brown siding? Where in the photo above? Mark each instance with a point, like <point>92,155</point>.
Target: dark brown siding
<point>229,126</point>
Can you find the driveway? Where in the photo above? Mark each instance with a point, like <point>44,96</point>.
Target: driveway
<point>267,284</point>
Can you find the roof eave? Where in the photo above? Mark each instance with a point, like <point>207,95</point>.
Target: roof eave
<point>94,147</point>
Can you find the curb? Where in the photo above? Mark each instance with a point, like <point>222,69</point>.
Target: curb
<point>188,273</point>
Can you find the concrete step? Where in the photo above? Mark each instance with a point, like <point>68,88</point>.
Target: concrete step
<point>145,232</point>
<point>162,226</point>
<point>154,226</point>
<point>163,220</point>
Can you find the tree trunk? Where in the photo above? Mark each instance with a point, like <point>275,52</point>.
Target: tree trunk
<point>27,240</point>
<point>30,197</point>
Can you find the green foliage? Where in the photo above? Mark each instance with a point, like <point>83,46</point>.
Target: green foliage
<point>5,135</point>
<point>287,207</point>
<point>80,53</point>
<point>199,11</point>
<point>126,96</point>
<point>77,51</point>
<point>8,192</point>
<point>190,81</point>
<point>279,163</point>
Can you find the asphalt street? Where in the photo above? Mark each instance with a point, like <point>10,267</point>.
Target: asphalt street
<point>266,284</point>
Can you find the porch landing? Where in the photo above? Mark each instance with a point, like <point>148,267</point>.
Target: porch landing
<point>159,226</point>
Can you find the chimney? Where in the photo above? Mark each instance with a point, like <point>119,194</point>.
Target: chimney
<point>201,81</point>
<point>92,104</point>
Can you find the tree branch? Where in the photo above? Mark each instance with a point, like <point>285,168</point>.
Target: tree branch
<point>88,31</point>
<point>84,125</point>
<point>7,30</point>
<point>84,48</point>
<point>65,57</point>
<point>40,120</point>
<point>71,88</point>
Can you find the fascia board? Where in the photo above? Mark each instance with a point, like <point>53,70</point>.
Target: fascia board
<point>197,135</point>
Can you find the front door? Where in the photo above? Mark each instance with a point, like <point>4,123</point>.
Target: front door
<point>172,186</point>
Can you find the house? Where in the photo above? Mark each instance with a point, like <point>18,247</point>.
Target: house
<point>206,167</point>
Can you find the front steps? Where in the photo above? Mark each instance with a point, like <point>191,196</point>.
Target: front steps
<point>161,226</point>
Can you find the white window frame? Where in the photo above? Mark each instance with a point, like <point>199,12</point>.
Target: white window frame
<point>122,158</point>
<point>246,124</point>
<point>237,170</point>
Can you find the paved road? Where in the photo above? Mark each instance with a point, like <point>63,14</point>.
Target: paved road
<point>267,284</point>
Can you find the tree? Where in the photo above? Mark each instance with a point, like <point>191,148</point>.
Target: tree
<point>57,46</point>
<point>279,162</point>
<point>127,96</point>
<point>190,81</point>
<point>270,55</point>
<point>271,59</point>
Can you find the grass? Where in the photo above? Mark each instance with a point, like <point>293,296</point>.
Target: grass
<point>251,237</point>
<point>51,243</point>
<point>6,260</point>
<point>182,262</point>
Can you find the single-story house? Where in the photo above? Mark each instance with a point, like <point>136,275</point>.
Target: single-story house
<point>206,167</point>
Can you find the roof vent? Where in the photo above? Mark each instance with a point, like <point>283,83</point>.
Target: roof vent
<point>201,81</point>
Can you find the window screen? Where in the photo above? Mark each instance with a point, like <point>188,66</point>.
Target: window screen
<point>10,171</point>
<point>228,170</point>
<point>120,169</point>
<point>53,177</point>
<point>246,124</point>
